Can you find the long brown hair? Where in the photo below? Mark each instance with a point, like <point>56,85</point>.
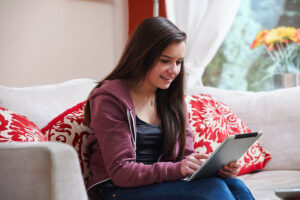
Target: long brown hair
<point>141,53</point>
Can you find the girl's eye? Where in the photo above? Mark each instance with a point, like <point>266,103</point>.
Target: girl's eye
<point>178,62</point>
<point>164,61</point>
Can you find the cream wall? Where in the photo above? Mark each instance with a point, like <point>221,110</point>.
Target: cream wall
<point>50,41</point>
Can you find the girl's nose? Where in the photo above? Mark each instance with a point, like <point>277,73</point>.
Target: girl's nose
<point>173,68</point>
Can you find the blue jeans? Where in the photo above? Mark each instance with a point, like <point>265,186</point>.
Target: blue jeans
<point>204,189</point>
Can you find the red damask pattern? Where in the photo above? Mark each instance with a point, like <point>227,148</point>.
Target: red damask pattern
<point>212,121</point>
<point>18,128</point>
<point>69,128</point>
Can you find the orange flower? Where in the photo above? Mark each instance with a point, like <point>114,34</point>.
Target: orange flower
<point>272,38</point>
<point>282,44</point>
<point>260,38</point>
<point>298,36</point>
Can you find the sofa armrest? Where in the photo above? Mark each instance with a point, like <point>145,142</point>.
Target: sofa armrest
<point>45,171</point>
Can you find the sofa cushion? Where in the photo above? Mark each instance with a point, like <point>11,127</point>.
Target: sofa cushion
<point>42,103</point>
<point>69,128</point>
<point>276,113</point>
<point>264,183</point>
<point>212,121</point>
<point>18,128</point>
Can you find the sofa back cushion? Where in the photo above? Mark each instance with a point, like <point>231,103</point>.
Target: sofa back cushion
<point>42,103</point>
<point>276,113</point>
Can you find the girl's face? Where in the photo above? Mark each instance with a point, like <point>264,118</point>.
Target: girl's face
<point>168,66</point>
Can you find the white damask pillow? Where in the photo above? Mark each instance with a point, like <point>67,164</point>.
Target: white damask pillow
<point>18,128</point>
<point>212,121</point>
<point>69,128</point>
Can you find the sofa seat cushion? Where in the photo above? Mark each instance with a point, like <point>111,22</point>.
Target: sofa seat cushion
<point>263,183</point>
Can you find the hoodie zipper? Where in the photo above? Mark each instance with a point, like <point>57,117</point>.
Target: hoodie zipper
<point>132,128</point>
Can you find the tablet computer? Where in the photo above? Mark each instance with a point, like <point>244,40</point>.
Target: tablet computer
<point>231,149</point>
<point>288,193</point>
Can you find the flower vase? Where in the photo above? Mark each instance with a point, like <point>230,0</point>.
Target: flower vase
<point>286,80</point>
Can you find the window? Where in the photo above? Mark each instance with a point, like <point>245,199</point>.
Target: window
<point>235,66</point>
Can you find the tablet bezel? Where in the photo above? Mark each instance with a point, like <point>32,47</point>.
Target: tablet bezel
<point>231,149</point>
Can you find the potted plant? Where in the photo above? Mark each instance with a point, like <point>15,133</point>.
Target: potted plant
<point>283,46</point>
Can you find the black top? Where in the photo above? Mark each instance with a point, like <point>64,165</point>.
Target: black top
<point>149,142</point>
<point>148,147</point>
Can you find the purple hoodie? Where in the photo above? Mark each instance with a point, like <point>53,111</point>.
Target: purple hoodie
<point>112,145</point>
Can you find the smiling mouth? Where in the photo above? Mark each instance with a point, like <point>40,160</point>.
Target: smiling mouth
<point>166,78</point>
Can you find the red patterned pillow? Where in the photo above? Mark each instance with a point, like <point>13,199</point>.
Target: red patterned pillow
<point>212,121</point>
<point>68,128</point>
<point>18,128</point>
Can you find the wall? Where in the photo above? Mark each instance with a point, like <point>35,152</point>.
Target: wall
<point>50,41</point>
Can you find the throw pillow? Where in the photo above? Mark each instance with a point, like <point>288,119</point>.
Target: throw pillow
<point>18,128</point>
<point>212,121</point>
<point>69,128</point>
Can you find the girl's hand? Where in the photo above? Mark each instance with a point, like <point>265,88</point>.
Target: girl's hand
<point>230,170</point>
<point>191,163</point>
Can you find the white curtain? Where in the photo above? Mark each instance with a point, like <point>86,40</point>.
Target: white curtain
<point>206,23</point>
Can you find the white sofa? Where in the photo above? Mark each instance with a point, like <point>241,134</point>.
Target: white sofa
<point>277,114</point>
<point>52,171</point>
